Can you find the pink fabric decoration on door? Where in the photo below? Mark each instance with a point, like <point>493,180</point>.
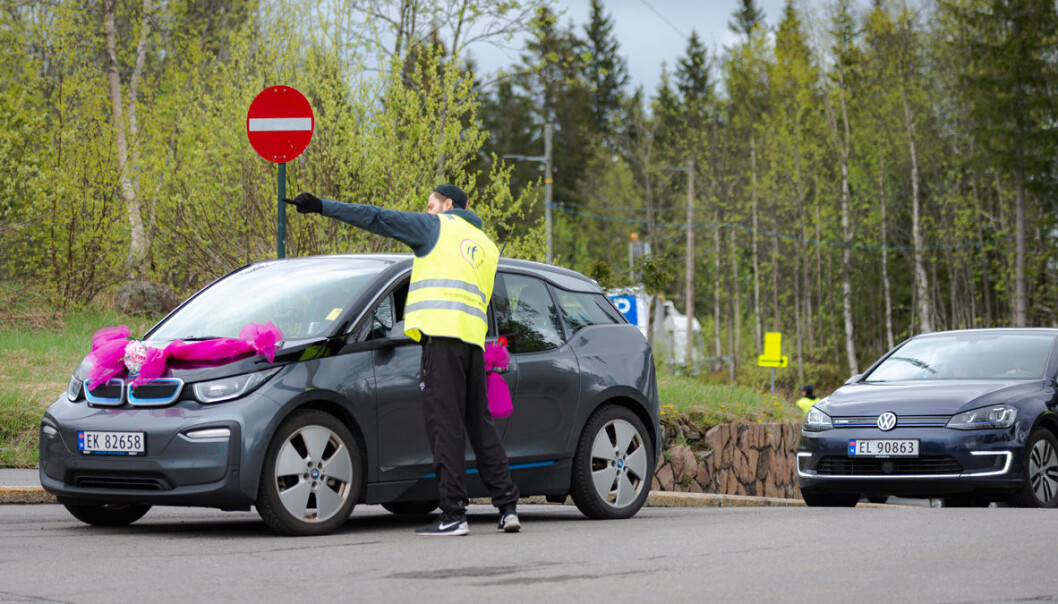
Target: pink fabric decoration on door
<point>496,360</point>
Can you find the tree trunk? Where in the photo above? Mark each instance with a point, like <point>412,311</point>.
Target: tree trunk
<point>1021,297</point>
<point>137,233</point>
<point>736,352</point>
<point>843,144</point>
<point>754,246</point>
<point>921,282</point>
<point>819,278</point>
<point>716,281</point>
<point>885,255</point>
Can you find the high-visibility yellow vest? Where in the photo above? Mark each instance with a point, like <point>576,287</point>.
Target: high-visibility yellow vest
<point>452,284</point>
<point>806,403</point>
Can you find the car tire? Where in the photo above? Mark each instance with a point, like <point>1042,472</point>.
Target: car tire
<point>613,465</point>
<point>831,500</point>
<point>1040,459</point>
<point>410,508</point>
<point>107,514</point>
<point>312,475</point>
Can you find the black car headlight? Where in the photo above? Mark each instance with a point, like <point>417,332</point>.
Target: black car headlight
<point>228,388</point>
<point>73,389</point>
<point>994,416</point>
<point>816,420</point>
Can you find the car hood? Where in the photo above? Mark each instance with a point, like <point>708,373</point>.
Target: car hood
<point>291,351</point>
<point>933,397</point>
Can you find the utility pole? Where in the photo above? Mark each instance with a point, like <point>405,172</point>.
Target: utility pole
<point>690,263</point>
<point>548,183</point>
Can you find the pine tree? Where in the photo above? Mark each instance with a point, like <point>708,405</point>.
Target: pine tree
<point>606,71</point>
<point>1009,81</point>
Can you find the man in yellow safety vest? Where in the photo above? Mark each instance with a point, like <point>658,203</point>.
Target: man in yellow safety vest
<point>808,398</point>
<point>452,276</point>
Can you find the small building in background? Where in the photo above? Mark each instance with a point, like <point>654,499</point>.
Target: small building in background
<point>670,327</point>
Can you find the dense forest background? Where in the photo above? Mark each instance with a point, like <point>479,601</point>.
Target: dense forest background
<point>862,172</point>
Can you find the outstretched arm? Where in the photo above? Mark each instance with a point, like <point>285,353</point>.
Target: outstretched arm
<point>419,231</point>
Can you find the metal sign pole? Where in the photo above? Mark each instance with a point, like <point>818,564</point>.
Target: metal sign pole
<point>773,381</point>
<point>281,230</point>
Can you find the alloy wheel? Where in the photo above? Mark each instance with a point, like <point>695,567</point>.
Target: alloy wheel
<point>1043,470</point>
<point>313,473</point>
<point>619,463</point>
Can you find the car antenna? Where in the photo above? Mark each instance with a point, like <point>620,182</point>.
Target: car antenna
<point>503,247</point>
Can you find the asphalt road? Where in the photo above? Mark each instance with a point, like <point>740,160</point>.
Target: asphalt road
<point>745,554</point>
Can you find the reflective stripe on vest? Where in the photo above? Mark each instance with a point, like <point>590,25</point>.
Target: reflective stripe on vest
<point>451,285</point>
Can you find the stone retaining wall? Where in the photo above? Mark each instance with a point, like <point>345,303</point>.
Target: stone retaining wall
<point>732,459</point>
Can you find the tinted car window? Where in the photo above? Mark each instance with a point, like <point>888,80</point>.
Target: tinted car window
<point>967,356</point>
<point>525,314</point>
<point>583,309</point>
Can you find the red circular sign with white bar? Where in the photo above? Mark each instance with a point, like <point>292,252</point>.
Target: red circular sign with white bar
<point>279,123</point>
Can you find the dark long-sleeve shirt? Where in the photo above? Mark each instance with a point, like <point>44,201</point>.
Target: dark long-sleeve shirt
<point>418,230</point>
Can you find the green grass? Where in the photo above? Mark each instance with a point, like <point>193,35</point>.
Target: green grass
<point>38,351</point>
<point>710,404</point>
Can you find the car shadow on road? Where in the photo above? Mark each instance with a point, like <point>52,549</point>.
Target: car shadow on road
<point>215,523</point>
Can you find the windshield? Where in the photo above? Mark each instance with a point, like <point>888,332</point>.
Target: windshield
<point>967,356</point>
<point>303,299</point>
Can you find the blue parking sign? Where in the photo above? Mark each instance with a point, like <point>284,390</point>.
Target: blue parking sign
<point>626,303</point>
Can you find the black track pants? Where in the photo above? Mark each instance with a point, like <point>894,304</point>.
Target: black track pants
<point>454,405</point>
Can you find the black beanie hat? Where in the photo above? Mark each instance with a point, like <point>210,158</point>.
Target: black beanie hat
<point>458,197</point>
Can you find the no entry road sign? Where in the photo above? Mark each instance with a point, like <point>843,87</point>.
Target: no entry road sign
<point>279,123</point>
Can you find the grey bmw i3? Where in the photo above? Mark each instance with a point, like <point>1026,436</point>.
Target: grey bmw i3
<point>334,419</point>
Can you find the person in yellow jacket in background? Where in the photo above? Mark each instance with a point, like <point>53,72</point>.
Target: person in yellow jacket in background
<point>451,283</point>
<point>808,398</point>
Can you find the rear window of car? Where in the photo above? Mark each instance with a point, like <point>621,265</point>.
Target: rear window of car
<point>967,356</point>
<point>583,309</point>
<point>526,314</point>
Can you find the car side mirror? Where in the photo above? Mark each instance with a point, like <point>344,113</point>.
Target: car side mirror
<point>854,378</point>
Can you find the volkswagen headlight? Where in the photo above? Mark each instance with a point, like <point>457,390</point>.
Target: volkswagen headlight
<point>816,420</point>
<point>228,388</point>
<point>993,416</point>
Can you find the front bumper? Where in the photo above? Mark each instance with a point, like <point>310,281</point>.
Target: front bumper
<point>950,462</point>
<point>176,468</point>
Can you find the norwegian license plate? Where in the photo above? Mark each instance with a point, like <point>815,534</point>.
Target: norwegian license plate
<point>906,447</point>
<point>111,443</point>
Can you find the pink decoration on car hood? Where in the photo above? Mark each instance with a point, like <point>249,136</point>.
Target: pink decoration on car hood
<point>109,346</point>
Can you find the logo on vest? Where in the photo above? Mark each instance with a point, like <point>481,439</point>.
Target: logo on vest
<point>472,253</point>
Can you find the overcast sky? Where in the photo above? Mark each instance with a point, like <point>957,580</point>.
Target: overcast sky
<point>650,32</point>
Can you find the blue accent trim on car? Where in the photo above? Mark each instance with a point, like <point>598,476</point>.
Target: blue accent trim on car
<point>514,466</point>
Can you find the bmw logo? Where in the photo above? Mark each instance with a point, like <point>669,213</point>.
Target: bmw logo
<point>887,421</point>
<point>620,463</point>
<point>315,474</point>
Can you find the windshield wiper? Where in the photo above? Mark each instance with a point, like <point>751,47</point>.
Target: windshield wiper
<point>200,338</point>
<point>916,362</point>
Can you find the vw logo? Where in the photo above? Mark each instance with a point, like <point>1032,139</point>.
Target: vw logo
<point>887,421</point>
